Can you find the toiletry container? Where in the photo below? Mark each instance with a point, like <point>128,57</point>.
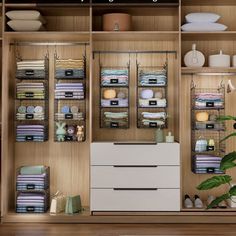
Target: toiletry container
<point>219,60</point>
<point>159,135</point>
<point>116,22</point>
<point>170,138</point>
<point>194,58</point>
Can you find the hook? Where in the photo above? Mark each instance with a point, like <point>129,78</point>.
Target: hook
<point>230,87</point>
<point>47,52</point>
<point>55,52</point>
<point>18,56</point>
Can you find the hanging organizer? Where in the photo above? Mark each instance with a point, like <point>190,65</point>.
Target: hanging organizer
<point>207,150</point>
<point>31,102</point>
<point>152,94</point>
<point>70,99</point>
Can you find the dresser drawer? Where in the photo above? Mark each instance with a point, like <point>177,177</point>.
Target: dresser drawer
<point>135,177</point>
<point>135,154</point>
<point>135,200</point>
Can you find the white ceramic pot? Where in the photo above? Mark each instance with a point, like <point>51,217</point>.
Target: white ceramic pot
<point>194,58</point>
<point>234,61</point>
<point>219,60</point>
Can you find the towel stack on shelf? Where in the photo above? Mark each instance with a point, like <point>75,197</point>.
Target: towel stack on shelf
<point>209,100</point>
<point>30,113</point>
<point>115,77</point>
<point>153,119</point>
<point>70,69</point>
<point>116,119</point>
<point>204,164</point>
<point>33,69</point>
<point>36,133</point>
<point>153,102</point>
<point>69,91</point>
<point>115,102</point>
<point>32,187</point>
<point>30,90</point>
<point>153,78</point>
<point>69,113</point>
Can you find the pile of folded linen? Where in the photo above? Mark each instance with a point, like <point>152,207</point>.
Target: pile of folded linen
<point>116,77</point>
<point>30,90</point>
<point>201,21</point>
<point>69,91</point>
<point>153,78</point>
<point>115,102</point>
<point>153,102</point>
<point>69,113</point>
<point>116,119</point>
<point>25,20</point>
<point>70,69</point>
<point>36,133</point>
<point>32,202</point>
<point>32,69</point>
<point>209,100</point>
<point>156,119</point>
<point>204,164</point>
<point>30,113</point>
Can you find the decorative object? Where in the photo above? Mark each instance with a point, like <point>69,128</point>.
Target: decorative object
<point>61,131</point>
<point>116,22</point>
<point>170,138</point>
<point>109,94</point>
<point>219,60</point>
<point>159,135</point>
<point>58,203</point>
<point>202,116</point>
<point>73,205</point>
<point>194,58</point>
<point>147,94</point>
<point>71,132</point>
<point>80,133</point>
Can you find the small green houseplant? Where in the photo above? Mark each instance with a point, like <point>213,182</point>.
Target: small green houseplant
<point>227,162</point>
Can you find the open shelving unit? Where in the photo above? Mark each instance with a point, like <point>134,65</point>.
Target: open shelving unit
<point>156,27</point>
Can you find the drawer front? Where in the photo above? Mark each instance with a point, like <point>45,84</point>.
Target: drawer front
<point>135,177</point>
<point>123,154</point>
<point>135,200</point>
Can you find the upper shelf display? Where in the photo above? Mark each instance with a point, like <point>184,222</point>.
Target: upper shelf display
<point>157,2</point>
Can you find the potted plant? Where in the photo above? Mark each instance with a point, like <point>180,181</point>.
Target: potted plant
<point>227,162</point>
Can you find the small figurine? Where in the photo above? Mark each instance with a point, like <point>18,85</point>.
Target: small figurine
<point>80,133</point>
<point>71,132</point>
<point>61,131</point>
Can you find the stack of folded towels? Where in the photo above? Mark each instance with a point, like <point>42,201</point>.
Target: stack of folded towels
<point>117,119</point>
<point>201,21</point>
<point>25,20</point>
<point>36,133</point>
<point>209,100</point>
<point>70,69</point>
<point>114,77</point>
<point>30,90</point>
<point>33,69</point>
<point>32,187</point>
<point>69,113</point>
<point>69,91</point>
<point>204,164</point>
<point>153,78</point>
<point>30,113</point>
<point>157,119</point>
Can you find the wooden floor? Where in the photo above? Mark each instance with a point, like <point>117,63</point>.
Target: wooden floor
<point>117,230</point>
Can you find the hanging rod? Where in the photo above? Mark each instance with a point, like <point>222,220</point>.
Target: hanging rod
<point>49,43</point>
<point>212,73</point>
<point>134,52</point>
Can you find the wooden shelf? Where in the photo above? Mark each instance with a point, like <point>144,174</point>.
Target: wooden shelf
<point>135,36</point>
<point>215,36</point>
<point>208,70</point>
<point>208,3</point>
<point>49,36</point>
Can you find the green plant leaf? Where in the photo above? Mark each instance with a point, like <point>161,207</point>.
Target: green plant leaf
<point>232,191</point>
<point>218,200</point>
<point>224,118</point>
<point>227,161</point>
<point>227,137</point>
<point>214,182</point>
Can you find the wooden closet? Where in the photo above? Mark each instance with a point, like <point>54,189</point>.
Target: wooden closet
<point>74,29</point>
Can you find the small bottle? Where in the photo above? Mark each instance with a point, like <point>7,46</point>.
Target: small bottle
<point>170,138</point>
<point>159,135</point>
<point>211,145</point>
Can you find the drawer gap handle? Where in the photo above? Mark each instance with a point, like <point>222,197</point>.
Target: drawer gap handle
<point>130,144</point>
<point>132,166</point>
<point>135,189</point>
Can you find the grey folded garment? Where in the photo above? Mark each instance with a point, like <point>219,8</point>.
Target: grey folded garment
<point>30,116</point>
<point>70,74</point>
<point>31,74</point>
<point>116,102</point>
<point>211,125</point>
<point>69,116</point>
